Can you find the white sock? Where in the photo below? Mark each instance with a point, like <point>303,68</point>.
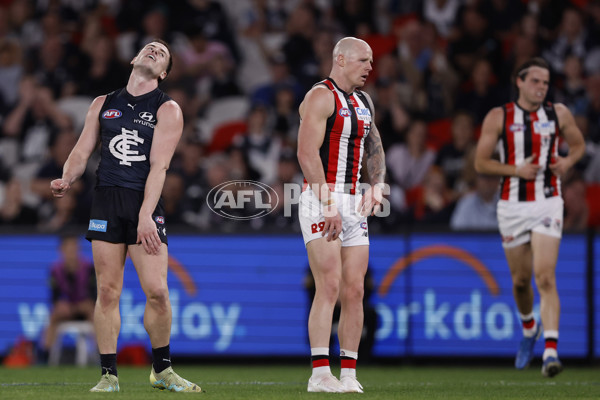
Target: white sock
<point>319,371</point>
<point>319,351</point>
<point>528,332</point>
<point>348,353</point>
<point>348,371</point>
<point>549,351</point>
<point>322,370</point>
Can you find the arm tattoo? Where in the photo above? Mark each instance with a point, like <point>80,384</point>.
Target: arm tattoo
<point>375,157</point>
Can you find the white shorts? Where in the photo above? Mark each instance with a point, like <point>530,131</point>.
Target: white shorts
<point>516,220</point>
<point>355,231</point>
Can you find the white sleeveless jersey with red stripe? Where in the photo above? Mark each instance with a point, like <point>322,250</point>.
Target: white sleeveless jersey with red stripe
<point>345,134</point>
<point>525,133</point>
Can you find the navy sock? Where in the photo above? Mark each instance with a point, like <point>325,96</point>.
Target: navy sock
<point>161,358</point>
<point>109,363</point>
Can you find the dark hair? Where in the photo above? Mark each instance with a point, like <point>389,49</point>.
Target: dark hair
<point>522,71</point>
<point>170,65</point>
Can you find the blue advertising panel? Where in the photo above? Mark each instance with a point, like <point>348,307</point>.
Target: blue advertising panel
<point>238,295</point>
<point>452,294</point>
<point>435,295</point>
<point>597,297</point>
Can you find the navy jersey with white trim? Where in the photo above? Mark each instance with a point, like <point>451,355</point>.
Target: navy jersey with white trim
<point>126,130</point>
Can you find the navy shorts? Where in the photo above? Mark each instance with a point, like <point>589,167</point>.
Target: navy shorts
<point>114,215</point>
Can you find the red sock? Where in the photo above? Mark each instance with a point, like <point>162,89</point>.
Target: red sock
<point>529,324</point>
<point>320,361</point>
<point>348,360</point>
<point>551,343</point>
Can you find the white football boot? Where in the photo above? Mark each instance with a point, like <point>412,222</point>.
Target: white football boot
<point>351,385</point>
<point>325,383</point>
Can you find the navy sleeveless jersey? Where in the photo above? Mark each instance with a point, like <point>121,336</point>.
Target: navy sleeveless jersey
<point>126,130</point>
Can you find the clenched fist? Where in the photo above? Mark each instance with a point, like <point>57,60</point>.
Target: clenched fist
<point>59,187</point>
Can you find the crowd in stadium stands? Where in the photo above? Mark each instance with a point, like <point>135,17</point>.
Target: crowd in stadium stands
<point>241,68</point>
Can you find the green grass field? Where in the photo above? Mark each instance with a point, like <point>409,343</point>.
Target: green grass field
<point>289,382</point>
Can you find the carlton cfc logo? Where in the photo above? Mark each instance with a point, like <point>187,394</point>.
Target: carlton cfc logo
<point>344,112</point>
<point>111,114</point>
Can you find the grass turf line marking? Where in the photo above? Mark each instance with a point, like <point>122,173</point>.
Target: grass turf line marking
<point>43,384</point>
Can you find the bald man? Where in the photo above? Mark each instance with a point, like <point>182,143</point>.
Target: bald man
<point>337,129</point>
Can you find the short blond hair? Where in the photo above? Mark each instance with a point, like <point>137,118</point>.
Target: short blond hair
<point>345,46</point>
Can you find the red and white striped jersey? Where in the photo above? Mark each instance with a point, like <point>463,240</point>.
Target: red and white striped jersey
<point>345,134</point>
<point>525,133</point>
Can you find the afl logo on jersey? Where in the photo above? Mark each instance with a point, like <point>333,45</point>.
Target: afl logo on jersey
<point>344,112</point>
<point>159,219</point>
<point>147,116</point>
<point>112,114</point>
